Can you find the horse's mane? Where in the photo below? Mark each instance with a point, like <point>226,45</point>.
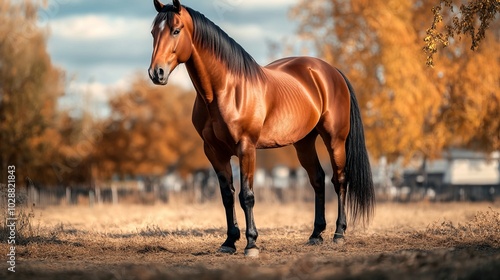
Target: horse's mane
<point>211,37</point>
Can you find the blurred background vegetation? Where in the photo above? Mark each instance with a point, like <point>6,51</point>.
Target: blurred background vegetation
<point>410,110</point>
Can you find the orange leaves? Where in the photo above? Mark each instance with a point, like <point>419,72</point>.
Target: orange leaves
<point>411,109</point>
<point>29,88</point>
<point>151,125</point>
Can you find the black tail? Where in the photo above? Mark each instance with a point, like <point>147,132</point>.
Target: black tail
<point>360,191</point>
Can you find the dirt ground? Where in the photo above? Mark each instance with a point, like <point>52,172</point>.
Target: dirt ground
<point>177,241</point>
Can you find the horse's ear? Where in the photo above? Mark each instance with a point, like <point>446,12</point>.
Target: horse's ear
<point>177,5</point>
<point>158,5</point>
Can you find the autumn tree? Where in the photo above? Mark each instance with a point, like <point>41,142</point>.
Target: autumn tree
<point>409,109</point>
<point>78,141</point>
<point>149,132</point>
<point>29,88</point>
<point>471,108</point>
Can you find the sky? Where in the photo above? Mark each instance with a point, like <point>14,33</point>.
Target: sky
<point>101,45</point>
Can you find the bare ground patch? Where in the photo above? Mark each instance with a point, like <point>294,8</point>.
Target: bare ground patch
<point>404,241</point>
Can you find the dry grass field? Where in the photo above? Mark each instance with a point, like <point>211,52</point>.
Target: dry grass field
<point>178,241</point>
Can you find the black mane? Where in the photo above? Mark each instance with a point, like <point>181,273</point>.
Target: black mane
<point>211,37</point>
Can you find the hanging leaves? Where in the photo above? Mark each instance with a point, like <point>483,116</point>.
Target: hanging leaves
<point>472,20</point>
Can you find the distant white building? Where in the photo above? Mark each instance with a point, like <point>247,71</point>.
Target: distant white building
<point>458,175</point>
<point>472,168</point>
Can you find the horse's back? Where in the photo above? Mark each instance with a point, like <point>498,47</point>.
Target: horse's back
<point>297,63</point>
<point>321,81</point>
<point>300,90</point>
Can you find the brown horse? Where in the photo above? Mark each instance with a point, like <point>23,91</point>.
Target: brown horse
<point>241,106</point>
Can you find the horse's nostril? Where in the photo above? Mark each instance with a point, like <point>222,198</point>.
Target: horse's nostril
<point>160,72</point>
<point>150,73</point>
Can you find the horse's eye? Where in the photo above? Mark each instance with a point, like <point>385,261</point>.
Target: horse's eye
<point>176,32</point>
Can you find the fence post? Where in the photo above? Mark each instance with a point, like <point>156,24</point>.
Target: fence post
<point>114,195</point>
<point>91,198</point>
<point>68,196</point>
<point>98,195</point>
<point>33,196</point>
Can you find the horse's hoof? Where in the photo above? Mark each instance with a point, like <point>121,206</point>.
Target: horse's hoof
<point>315,241</point>
<point>227,250</point>
<point>339,239</point>
<point>252,252</point>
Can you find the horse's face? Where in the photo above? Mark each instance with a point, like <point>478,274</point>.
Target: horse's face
<point>172,40</point>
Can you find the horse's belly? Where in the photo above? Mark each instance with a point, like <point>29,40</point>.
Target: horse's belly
<point>285,129</point>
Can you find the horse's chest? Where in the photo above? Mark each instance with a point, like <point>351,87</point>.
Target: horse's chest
<point>221,130</point>
<point>224,128</point>
<point>229,123</point>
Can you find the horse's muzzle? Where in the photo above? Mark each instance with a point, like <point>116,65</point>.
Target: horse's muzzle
<point>159,75</point>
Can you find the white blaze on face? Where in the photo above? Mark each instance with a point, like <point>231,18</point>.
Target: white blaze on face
<point>162,25</point>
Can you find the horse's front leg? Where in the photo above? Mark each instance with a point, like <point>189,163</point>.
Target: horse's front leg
<point>246,154</point>
<point>222,166</point>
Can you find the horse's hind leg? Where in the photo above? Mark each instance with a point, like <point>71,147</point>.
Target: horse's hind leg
<point>222,166</point>
<point>336,149</point>
<point>306,152</point>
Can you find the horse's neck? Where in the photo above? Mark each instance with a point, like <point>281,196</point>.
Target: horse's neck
<point>205,74</point>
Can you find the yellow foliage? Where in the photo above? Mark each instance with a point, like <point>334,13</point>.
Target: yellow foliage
<point>152,127</point>
<point>409,109</point>
<point>29,88</point>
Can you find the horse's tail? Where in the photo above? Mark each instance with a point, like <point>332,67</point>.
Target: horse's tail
<point>360,191</point>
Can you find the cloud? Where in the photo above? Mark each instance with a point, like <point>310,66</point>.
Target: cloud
<point>220,7</point>
<point>181,77</point>
<point>93,96</point>
<point>100,47</point>
<point>258,4</point>
<point>91,92</point>
<point>247,31</point>
<point>129,9</point>
<point>92,27</point>
<point>90,96</point>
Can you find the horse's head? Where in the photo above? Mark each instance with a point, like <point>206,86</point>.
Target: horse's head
<point>172,40</point>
